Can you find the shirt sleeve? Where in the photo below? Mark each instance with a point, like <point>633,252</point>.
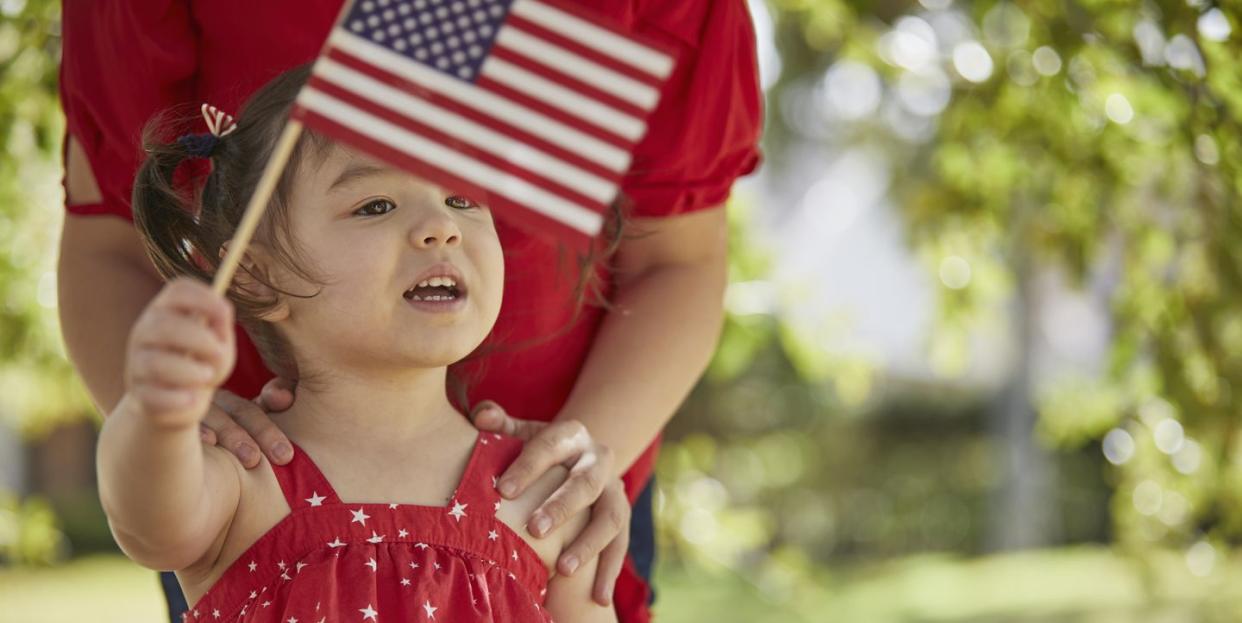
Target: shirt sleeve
<point>122,62</point>
<point>705,132</point>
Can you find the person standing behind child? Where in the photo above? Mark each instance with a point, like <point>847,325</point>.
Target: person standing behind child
<point>606,393</point>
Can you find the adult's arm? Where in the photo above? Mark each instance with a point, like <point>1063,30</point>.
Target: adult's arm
<point>104,280</point>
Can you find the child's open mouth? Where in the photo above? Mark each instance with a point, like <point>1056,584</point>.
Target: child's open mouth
<point>437,294</point>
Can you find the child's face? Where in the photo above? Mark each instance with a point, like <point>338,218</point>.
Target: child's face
<point>371,232</point>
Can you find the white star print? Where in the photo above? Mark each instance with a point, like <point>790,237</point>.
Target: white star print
<point>436,565</point>
<point>253,594</point>
<point>360,516</point>
<point>196,613</point>
<point>336,543</point>
<point>284,575</point>
<point>497,506</point>
<point>413,565</point>
<point>493,482</point>
<point>368,613</point>
<point>315,499</point>
<point>459,511</point>
<point>371,563</point>
<point>375,538</point>
<point>292,620</point>
<point>401,534</point>
<point>515,554</point>
<point>431,610</point>
<point>420,545</point>
<point>281,564</point>
<point>405,581</point>
<point>392,506</point>
<point>492,536</point>
<point>266,604</point>
<point>252,566</point>
<point>300,565</point>
<point>215,614</point>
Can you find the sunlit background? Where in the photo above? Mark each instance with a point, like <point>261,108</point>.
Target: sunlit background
<point>984,323</point>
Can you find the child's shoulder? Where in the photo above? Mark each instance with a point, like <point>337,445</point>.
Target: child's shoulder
<point>516,513</point>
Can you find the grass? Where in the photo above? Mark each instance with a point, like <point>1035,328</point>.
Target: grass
<point>1078,585</point>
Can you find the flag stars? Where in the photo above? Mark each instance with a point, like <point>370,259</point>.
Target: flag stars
<point>373,21</point>
<point>403,9</point>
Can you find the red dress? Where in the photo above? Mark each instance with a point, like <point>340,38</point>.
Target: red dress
<point>330,561</point>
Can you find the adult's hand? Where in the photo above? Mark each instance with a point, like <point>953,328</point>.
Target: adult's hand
<point>590,484</point>
<point>242,426</point>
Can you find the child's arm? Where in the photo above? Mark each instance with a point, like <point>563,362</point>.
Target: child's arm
<point>166,499</point>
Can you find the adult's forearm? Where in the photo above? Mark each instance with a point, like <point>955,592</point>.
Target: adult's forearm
<point>648,355</point>
<point>105,280</point>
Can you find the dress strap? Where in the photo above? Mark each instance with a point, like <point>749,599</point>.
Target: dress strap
<point>303,484</point>
<point>492,455</point>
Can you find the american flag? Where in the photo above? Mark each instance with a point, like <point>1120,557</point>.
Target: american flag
<point>531,106</point>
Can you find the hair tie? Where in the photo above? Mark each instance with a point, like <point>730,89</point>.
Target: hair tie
<point>219,125</point>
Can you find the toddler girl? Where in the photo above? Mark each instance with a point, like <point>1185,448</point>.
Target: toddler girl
<point>363,283</point>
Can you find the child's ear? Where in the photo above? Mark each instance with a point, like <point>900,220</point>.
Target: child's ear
<point>253,278</point>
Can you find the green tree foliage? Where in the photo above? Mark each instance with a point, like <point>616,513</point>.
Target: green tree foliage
<point>37,385</point>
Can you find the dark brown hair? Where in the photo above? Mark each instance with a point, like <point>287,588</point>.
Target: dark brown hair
<point>186,223</point>
<point>187,229</point>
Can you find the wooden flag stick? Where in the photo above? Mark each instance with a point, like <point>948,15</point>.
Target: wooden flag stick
<point>258,203</point>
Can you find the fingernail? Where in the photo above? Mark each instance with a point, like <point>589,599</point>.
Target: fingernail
<point>541,524</point>
<point>282,451</point>
<point>571,564</point>
<point>508,487</point>
<point>246,454</point>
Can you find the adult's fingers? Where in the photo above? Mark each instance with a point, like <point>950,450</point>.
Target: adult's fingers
<point>206,434</point>
<point>231,436</point>
<point>607,531</point>
<point>489,417</point>
<point>277,395</point>
<point>581,489</point>
<point>556,443</point>
<point>258,426</point>
<point>610,562</point>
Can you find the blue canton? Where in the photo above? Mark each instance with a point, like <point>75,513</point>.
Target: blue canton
<point>451,36</point>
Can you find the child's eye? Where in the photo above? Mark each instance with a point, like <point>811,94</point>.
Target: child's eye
<point>376,208</point>
<point>458,201</point>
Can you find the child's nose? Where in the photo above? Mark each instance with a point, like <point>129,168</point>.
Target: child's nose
<point>434,230</point>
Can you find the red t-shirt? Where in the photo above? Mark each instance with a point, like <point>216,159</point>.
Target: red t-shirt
<point>125,61</point>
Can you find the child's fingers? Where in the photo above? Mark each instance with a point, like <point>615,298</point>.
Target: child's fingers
<point>193,298</point>
<point>171,331</point>
<point>159,399</point>
<point>172,369</point>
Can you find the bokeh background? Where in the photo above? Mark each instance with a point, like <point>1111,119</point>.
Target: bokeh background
<point>984,328</point>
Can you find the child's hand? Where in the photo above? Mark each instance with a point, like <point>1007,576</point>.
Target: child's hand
<point>180,351</point>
